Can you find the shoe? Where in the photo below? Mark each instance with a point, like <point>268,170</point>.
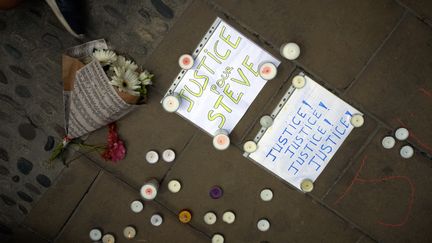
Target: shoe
<point>70,14</point>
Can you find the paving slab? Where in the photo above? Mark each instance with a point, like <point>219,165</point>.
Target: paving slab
<point>187,33</point>
<point>19,234</point>
<point>343,156</point>
<point>386,195</point>
<point>396,85</point>
<point>336,38</point>
<point>147,128</point>
<point>422,7</point>
<point>107,206</point>
<point>294,216</point>
<point>53,210</point>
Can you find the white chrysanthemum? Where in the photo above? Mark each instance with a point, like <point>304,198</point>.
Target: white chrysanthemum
<point>145,77</point>
<point>105,57</point>
<point>126,81</point>
<point>126,64</point>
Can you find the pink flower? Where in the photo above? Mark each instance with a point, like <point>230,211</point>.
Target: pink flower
<point>115,149</point>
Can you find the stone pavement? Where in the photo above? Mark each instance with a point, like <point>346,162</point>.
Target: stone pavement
<point>376,55</point>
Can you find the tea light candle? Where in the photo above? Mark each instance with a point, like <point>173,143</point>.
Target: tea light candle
<point>136,206</point>
<point>221,141</point>
<point>290,51</point>
<point>186,61</point>
<point>267,71</point>
<point>402,134</point>
<point>185,216</point>
<point>228,217</point>
<point>216,192</point>
<point>388,142</point>
<point>95,234</point>
<point>266,121</point>
<point>149,189</point>
<point>250,146</point>
<point>156,220</point>
<point>357,120</point>
<point>172,102</point>
<point>129,232</point>
<point>108,238</point>
<point>218,238</point>
<point>174,186</point>
<point>407,152</point>
<point>210,218</point>
<point>298,82</point>
<point>168,155</point>
<point>152,157</point>
<point>263,225</point>
<point>306,185</point>
<point>266,195</point>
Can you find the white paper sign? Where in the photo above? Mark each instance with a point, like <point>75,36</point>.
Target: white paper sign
<point>305,135</point>
<point>224,80</point>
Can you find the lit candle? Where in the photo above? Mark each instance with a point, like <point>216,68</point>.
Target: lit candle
<point>306,185</point>
<point>136,206</point>
<point>149,189</point>
<point>402,134</point>
<point>156,220</point>
<point>290,51</point>
<point>388,142</point>
<point>299,82</point>
<point>95,234</point>
<point>228,217</point>
<point>210,218</point>
<point>186,61</point>
<point>152,157</point>
<point>407,152</point>
<point>218,238</point>
<point>263,225</point>
<point>172,102</point>
<point>216,192</point>
<point>250,146</point>
<point>266,121</point>
<point>174,186</point>
<point>185,216</point>
<point>221,141</point>
<point>108,238</point>
<point>267,71</point>
<point>168,155</point>
<point>357,120</point>
<point>266,195</point>
<point>129,232</point>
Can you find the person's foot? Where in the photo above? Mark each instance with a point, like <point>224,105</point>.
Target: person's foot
<point>70,14</point>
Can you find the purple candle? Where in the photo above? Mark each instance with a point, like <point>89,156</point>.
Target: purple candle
<point>216,192</point>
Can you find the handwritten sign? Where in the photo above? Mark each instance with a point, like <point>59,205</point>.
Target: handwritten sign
<point>306,133</point>
<point>224,80</point>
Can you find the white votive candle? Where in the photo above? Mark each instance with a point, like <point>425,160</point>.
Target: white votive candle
<point>156,219</point>
<point>250,146</point>
<point>95,234</point>
<point>186,61</point>
<point>357,120</point>
<point>129,232</point>
<point>168,155</point>
<point>174,186</point>
<point>266,195</point>
<point>228,217</point>
<point>108,238</point>
<point>149,189</point>
<point>171,103</point>
<point>406,152</point>
<point>152,157</point>
<point>388,142</point>
<point>299,82</point>
<point>210,218</point>
<point>307,185</point>
<point>221,140</point>
<point>267,71</point>
<point>136,206</point>
<point>263,225</point>
<point>218,238</point>
<point>266,121</point>
<point>290,51</point>
<point>401,133</point>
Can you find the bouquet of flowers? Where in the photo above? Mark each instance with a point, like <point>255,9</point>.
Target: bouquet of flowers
<point>100,87</point>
